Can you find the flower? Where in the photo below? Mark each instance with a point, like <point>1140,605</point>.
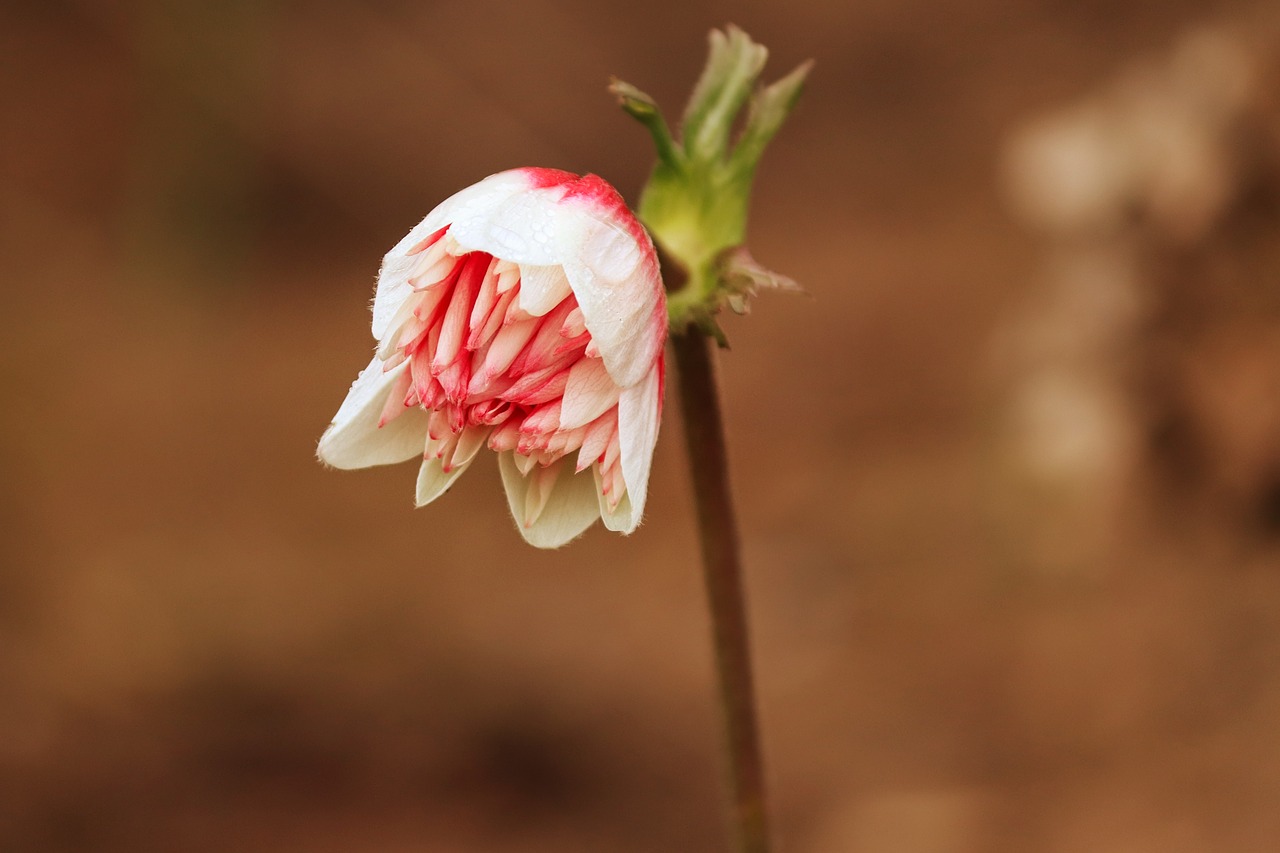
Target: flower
<point>525,313</point>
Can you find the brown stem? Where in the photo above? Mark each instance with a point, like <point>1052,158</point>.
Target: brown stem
<point>722,563</point>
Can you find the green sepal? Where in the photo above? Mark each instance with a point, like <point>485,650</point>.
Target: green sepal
<point>769,109</point>
<point>733,64</point>
<point>695,203</point>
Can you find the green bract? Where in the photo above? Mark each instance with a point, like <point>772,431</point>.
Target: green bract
<point>695,203</point>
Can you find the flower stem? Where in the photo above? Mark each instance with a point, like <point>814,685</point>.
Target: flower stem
<point>722,564</point>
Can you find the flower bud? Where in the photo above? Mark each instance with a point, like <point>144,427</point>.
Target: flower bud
<point>695,203</point>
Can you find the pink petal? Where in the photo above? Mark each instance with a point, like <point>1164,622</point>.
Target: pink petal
<point>596,439</point>
<point>485,300</point>
<point>454,325</point>
<point>506,345</point>
<point>589,393</point>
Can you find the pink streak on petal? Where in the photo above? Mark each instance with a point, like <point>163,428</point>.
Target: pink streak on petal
<point>542,421</point>
<point>612,452</point>
<point>571,344</point>
<point>484,303</point>
<point>428,241</point>
<point>395,404</point>
<point>454,380</point>
<point>595,439</point>
<point>538,388</point>
<point>454,324</point>
<point>540,178</point>
<point>506,345</point>
<point>505,437</point>
<point>489,413</point>
<point>574,326</point>
<point>541,350</point>
<point>589,393</point>
<point>438,425</point>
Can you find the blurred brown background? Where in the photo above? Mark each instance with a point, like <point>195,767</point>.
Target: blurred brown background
<point>1009,481</point>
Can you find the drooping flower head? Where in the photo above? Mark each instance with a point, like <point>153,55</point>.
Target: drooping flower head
<point>525,313</point>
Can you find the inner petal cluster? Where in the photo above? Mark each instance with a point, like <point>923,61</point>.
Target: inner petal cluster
<point>500,355</point>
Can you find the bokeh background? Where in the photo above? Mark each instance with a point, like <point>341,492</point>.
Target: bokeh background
<point>1009,479</point>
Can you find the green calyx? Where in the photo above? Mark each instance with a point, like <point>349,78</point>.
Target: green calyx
<point>695,203</point>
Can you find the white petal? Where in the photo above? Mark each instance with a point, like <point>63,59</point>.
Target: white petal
<point>469,444</point>
<point>475,202</point>
<point>616,279</point>
<point>354,439</point>
<point>621,519</point>
<point>433,481</point>
<point>523,463</point>
<point>521,228</point>
<point>542,288</point>
<point>637,435</point>
<point>571,508</point>
<point>540,482</point>
<point>589,393</point>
